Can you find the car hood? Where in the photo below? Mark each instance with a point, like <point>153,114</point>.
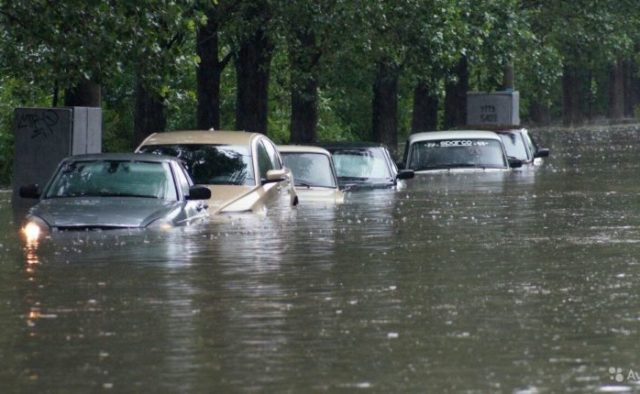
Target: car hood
<point>224,195</point>
<point>102,212</point>
<point>319,194</point>
<point>462,170</point>
<point>350,183</point>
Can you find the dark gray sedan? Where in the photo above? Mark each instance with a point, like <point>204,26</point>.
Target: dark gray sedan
<point>115,191</point>
<point>365,165</point>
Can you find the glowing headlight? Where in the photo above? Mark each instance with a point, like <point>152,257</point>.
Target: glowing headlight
<point>34,229</point>
<point>161,224</point>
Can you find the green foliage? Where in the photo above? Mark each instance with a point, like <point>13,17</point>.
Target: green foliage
<point>46,45</point>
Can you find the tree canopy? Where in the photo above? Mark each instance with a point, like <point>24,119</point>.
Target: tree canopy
<point>323,63</point>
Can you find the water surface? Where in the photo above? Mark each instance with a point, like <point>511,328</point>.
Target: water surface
<point>516,282</point>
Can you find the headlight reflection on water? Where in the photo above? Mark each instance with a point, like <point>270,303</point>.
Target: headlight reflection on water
<point>32,232</point>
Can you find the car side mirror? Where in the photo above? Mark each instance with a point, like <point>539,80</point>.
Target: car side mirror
<point>29,191</point>
<point>198,192</point>
<point>542,152</point>
<point>406,174</point>
<point>515,163</point>
<point>275,176</point>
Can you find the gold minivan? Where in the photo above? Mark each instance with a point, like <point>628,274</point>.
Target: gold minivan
<point>243,170</point>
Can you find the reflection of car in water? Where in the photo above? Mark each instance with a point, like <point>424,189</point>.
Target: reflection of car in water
<point>313,171</point>
<point>520,145</point>
<point>457,150</point>
<point>114,191</point>
<point>243,170</point>
<point>365,165</point>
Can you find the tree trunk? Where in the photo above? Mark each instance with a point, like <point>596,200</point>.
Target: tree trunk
<point>631,88</point>
<point>85,94</point>
<point>425,109</point>
<point>508,80</point>
<point>150,114</point>
<point>252,72</point>
<point>616,91</point>
<point>455,103</point>
<point>539,113</point>
<point>304,88</point>
<point>208,74</point>
<point>575,96</point>
<point>385,105</point>
<point>304,112</point>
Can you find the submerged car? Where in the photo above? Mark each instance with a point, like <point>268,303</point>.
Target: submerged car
<point>314,173</point>
<point>243,170</point>
<point>365,165</point>
<point>520,145</point>
<point>457,150</point>
<point>115,191</point>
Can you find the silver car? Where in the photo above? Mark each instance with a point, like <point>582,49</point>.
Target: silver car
<point>115,191</point>
<point>520,145</point>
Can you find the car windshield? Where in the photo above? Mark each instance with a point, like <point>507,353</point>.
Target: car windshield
<point>211,164</point>
<point>514,145</point>
<point>361,163</point>
<point>456,153</point>
<point>113,178</point>
<point>310,169</point>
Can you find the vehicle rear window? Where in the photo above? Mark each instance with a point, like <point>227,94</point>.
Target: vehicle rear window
<point>453,153</point>
<point>211,164</point>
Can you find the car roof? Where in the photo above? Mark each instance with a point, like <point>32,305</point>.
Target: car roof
<point>201,137</point>
<point>303,149</point>
<point>457,134</point>
<point>122,157</point>
<point>510,131</point>
<point>351,145</point>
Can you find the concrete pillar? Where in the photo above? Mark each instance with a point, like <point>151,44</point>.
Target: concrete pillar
<point>493,110</point>
<point>44,136</point>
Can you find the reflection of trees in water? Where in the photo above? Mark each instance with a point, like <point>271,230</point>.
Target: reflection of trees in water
<point>208,164</point>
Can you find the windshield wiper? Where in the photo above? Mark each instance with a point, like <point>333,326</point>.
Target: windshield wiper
<point>453,165</point>
<point>352,178</point>
<point>303,182</point>
<point>126,195</point>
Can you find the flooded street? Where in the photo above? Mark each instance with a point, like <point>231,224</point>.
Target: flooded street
<point>511,283</point>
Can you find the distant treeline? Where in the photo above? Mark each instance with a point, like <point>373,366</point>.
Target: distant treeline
<point>309,70</point>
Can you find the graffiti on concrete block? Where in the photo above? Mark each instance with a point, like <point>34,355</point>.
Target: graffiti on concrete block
<point>41,124</point>
<point>488,113</point>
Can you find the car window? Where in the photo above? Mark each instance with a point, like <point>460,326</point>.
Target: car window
<point>360,163</point>
<point>310,169</point>
<point>515,145</point>
<point>453,153</point>
<point>531,144</point>
<point>113,178</point>
<point>264,161</point>
<point>211,164</point>
<point>274,156</point>
<point>183,180</point>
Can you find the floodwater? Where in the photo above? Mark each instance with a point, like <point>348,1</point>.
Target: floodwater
<point>525,282</point>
